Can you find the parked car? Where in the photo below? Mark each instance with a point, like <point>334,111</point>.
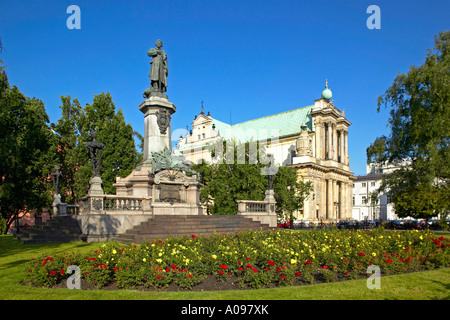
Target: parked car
<point>347,224</point>
<point>393,224</point>
<point>284,224</point>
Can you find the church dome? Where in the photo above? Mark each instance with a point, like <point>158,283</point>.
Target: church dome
<point>326,94</point>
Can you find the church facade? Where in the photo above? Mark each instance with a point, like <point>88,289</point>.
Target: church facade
<point>312,139</point>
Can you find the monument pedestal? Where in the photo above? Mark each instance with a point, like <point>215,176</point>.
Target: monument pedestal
<point>157,130</point>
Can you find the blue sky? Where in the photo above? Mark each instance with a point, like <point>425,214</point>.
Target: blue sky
<point>245,59</point>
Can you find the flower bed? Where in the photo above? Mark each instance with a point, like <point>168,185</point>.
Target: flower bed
<point>249,259</point>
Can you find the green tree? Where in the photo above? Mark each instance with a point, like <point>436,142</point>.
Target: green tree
<point>25,138</point>
<point>69,153</point>
<point>231,179</point>
<point>290,193</point>
<point>242,179</point>
<point>119,157</point>
<point>419,124</point>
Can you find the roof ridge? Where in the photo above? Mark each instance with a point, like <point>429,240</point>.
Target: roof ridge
<point>271,115</point>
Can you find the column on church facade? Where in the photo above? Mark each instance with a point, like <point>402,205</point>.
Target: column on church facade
<point>329,199</point>
<point>335,194</point>
<point>341,146</point>
<point>317,151</point>
<point>323,202</point>
<point>335,151</point>
<point>330,146</point>
<point>342,202</point>
<point>346,149</point>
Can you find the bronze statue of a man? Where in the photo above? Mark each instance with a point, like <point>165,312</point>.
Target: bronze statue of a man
<point>159,70</point>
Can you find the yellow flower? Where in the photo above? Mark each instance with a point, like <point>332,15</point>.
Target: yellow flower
<point>293,261</point>
<point>144,259</point>
<point>214,256</point>
<point>114,252</point>
<point>158,260</point>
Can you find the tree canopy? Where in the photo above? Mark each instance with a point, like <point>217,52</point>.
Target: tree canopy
<point>30,147</point>
<point>226,181</point>
<point>25,139</point>
<point>419,122</point>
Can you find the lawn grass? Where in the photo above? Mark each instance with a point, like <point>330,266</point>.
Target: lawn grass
<point>429,285</point>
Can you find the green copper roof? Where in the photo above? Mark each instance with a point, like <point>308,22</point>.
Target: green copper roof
<point>281,124</point>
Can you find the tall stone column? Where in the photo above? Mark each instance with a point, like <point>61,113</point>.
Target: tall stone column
<point>157,130</point>
<point>318,150</point>
<point>346,149</point>
<point>341,146</point>
<point>330,144</point>
<point>329,199</point>
<point>342,202</point>
<point>335,150</point>
<point>335,198</point>
<point>323,202</point>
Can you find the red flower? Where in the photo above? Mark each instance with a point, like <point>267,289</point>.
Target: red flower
<point>270,262</point>
<point>388,260</point>
<point>193,236</point>
<point>220,271</point>
<point>61,271</point>
<point>307,262</point>
<point>96,265</point>
<point>247,258</point>
<point>159,276</point>
<point>240,269</point>
<point>223,266</point>
<point>190,275</point>
<point>282,277</point>
<point>53,273</point>
<point>361,254</point>
<point>298,273</point>
<point>324,267</point>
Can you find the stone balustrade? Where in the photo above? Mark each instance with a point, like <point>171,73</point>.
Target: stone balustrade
<point>114,204</point>
<point>262,211</point>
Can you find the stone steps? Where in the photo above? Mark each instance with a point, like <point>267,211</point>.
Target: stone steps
<point>57,229</point>
<point>165,226</point>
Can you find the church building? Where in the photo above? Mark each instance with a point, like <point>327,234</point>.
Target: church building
<point>312,139</point>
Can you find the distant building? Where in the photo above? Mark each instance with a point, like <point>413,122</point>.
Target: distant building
<point>364,186</point>
<point>312,139</point>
